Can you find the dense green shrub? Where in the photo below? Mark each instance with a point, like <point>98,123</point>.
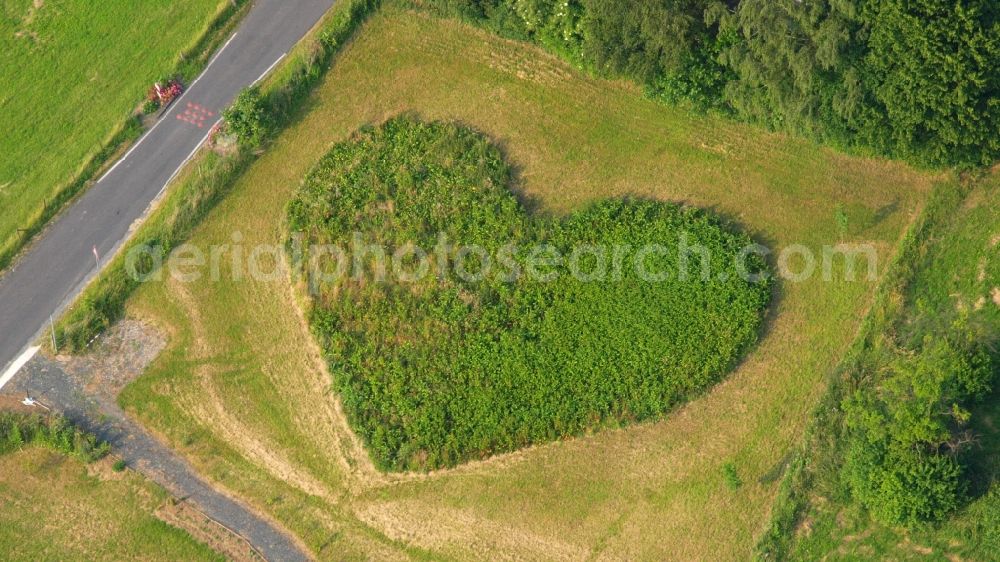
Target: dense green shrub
<point>150,106</point>
<point>701,77</point>
<point>248,118</point>
<point>444,368</point>
<point>904,486</point>
<point>18,430</point>
<point>905,431</point>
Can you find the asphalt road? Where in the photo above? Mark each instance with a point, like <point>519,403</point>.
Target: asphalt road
<point>57,266</point>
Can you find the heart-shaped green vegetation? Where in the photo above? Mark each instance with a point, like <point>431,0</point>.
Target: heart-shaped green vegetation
<point>512,329</point>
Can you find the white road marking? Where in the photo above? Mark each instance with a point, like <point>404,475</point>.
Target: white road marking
<point>203,72</point>
<point>178,104</point>
<point>134,146</point>
<point>189,157</point>
<point>220,51</point>
<point>17,364</point>
<point>164,118</point>
<point>119,161</point>
<point>269,69</point>
<point>205,138</point>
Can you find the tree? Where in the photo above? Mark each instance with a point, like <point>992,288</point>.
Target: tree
<point>933,70</point>
<point>643,39</point>
<point>248,118</point>
<point>917,79</point>
<point>904,486</point>
<point>796,64</point>
<point>902,460</point>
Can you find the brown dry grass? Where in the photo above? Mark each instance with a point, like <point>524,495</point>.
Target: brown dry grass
<point>54,507</point>
<point>653,491</point>
<point>184,515</point>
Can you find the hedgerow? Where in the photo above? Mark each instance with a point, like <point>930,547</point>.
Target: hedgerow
<point>906,433</point>
<point>896,431</point>
<point>443,368</point>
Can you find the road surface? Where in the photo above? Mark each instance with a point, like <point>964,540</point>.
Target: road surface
<point>58,265</point>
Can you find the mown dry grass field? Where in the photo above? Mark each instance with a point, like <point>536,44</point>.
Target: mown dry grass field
<point>242,393</point>
<point>54,507</point>
<point>73,71</point>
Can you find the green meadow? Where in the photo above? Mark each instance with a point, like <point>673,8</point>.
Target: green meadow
<point>71,75</point>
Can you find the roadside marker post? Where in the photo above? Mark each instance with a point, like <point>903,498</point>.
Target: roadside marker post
<point>52,328</point>
<point>97,258</point>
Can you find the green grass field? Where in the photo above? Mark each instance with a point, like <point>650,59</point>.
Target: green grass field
<point>73,71</point>
<point>957,274</point>
<point>54,507</point>
<point>242,391</point>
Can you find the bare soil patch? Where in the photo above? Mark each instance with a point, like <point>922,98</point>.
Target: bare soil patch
<point>117,357</point>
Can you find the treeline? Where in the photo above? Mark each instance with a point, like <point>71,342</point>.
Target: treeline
<point>911,79</point>
<point>55,432</point>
